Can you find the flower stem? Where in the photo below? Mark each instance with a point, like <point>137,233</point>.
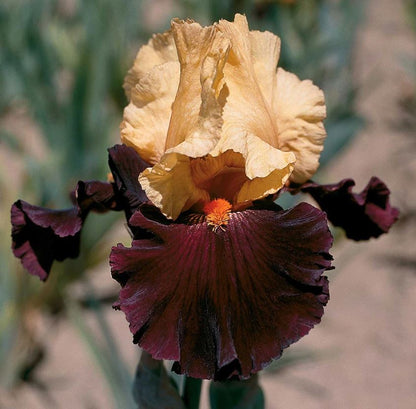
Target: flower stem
<point>192,392</point>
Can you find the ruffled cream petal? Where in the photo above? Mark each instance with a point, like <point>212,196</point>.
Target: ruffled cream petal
<point>196,121</point>
<point>170,187</point>
<point>159,50</point>
<point>146,119</point>
<point>265,51</point>
<point>265,169</point>
<point>248,126</point>
<point>299,108</point>
<point>246,110</point>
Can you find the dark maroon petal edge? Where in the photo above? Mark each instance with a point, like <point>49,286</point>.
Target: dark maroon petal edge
<point>41,235</point>
<point>224,304</point>
<point>362,215</point>
<point>126,165</point>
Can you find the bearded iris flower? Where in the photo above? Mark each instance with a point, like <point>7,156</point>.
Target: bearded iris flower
<point>219,278</point>
<point>215,119</point>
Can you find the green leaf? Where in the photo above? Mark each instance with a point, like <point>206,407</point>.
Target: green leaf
<point>153,388</point>
<point>236,394</point>
<point>105,353</point>
<point>192,392</point>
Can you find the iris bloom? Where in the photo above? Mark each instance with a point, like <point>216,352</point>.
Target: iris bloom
<point>218,279</point>
<point>215,119</point>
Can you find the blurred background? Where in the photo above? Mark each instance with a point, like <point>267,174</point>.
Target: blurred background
<point>62,64</point>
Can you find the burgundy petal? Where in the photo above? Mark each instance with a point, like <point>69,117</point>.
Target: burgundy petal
<point>224,304</point>
<point>41,236</point>
<point>362,215</point>
<point>126,165</point>
<point>96,196</point>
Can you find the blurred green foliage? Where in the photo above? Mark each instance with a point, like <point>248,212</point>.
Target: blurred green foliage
<point>411,12</point>
<point>408,102</point>
<point>62,64</point>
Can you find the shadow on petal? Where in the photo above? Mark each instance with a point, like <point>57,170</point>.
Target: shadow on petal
<point>126,165</point>
<point>362,215</point>
<point>41,236</point>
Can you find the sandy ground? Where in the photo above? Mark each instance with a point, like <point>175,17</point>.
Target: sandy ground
<point>363,354</point>
<point>367,341</point>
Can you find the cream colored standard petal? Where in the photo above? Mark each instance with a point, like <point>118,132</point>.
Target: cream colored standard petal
<point>249,128</point>
<point>146,118</point>
<point>170,187</point>
<point>262,159</point>
<point>261,187</point>
<point>299,108</point>
<point>265,51</point>
<point>267,169</point>
<point>196,114</point>
<point>205,133</point>
<point>159,50</point>
<point>246,109</point>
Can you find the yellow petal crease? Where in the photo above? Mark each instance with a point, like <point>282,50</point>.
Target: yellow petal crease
<point>170,187</point>
<point>196,122</point>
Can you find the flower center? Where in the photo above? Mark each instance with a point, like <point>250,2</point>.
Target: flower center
<point>217,213</point>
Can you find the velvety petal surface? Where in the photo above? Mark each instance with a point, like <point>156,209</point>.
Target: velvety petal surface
<point>225,303</point>
<point>40,235</point>
<point>362,215</point>
<point>126,165</point>
<point>96,196</point>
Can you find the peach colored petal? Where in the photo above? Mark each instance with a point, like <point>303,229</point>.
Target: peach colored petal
<point>170,187</point>
<point>196,121</point>
<point>239,178</point>
<point>146,118</point>
<point>202,132</point>
<point>246,111</point>
<point>265,51</point>
<point>299,107</point>
<point>159,50</point>
<point>222,176</point>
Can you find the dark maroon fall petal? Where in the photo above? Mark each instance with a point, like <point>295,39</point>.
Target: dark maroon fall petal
<point>224,304</point>
<point>362,215</point>
<point>41,236</point>
<point>126,165</point>
<point>96,196</point>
